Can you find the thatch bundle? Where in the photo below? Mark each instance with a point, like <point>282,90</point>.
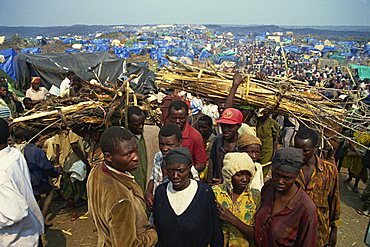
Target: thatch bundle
<point>284,95</point>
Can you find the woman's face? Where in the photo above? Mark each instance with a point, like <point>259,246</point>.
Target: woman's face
<point>240,180</point>
<point>253,150</point>
<point>178,174</point>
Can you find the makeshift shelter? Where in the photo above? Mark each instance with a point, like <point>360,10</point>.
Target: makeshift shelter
<point>102,66</point>
<point>363,71</point>
<point>7,62</point>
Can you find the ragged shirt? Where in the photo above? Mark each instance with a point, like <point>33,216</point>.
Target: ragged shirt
<point>323,189</point>
<point>294,225</point>
<point>244,209</point>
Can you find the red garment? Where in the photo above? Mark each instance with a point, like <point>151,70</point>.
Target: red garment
<point>193,140</point>
<point>295,225</point>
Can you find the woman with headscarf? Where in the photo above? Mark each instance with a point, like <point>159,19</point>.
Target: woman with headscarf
<point>237,202</point>
<point>184,209</point>
<point>252,146</point>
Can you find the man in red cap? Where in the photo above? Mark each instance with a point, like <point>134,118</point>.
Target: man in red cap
<point>35,92</point>
<point>230,122</point>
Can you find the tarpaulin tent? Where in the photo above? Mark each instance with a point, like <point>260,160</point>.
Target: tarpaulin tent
<point>363,71</point>
<point>7,62</point>
<point>31,50</point>
<point>52,68</point>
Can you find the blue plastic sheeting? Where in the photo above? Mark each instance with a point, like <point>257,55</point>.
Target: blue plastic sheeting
<point>260,38</point>
<point>72,50</point>
<point>32,50</point>
<point>204,54</point>
<point>121,52</point>
<point>307,49</point>
<point>347,43</point>
<point>163,62</point>
<point>292,48</point>
<point>8,66</point>
<point>328,49</point>
<point>100,41</point>
<point>160,43</point>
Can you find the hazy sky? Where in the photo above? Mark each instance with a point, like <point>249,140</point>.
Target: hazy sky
<point>279,12</point>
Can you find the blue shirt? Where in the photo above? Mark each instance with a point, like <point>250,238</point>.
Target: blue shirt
<point>40,169</point>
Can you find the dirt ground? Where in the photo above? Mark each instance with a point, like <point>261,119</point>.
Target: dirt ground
<point>82,232</point>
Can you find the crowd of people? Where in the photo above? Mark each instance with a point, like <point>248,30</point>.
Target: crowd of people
<point>251,179</point>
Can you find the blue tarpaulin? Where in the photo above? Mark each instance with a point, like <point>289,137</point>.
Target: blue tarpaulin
<point>31,50</point>
<point>8,65</point>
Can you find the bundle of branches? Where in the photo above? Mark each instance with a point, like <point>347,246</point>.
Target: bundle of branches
<point>95,107</point>
<point>284,95</point>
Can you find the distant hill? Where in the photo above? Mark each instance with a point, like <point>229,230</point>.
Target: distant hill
<point>53,31</point>
<point>327,31</point>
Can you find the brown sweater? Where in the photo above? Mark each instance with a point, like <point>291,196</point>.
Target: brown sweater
<point>117,205</point>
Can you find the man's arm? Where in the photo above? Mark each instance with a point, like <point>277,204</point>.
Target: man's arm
<point>80,154</point>
<point>149,196</point>
<point>334,207</point>
<point>308,230</point>
<point>200,154</point>
<point>122,227</point>
<point>237,80</point>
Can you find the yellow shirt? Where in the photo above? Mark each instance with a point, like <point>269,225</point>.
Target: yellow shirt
<point>244,209</point>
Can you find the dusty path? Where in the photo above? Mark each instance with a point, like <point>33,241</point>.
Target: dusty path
<point>81,232</point>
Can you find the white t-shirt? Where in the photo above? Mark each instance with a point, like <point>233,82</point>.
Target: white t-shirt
<point>64,85</point>
<point>21,221</point>
<point>180,200</point>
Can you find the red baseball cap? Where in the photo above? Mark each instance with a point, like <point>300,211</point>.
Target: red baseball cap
<point>231,116</point>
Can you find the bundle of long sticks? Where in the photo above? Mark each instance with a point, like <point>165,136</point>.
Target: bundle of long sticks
<point>95,108</point>
<point>284,95</point>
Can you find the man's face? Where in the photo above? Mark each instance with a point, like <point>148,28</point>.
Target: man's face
<point>125,156</point>
<point>178,174</point>
<point>229,130</point>
<point>178,117</point>
<point>204,129</point>
<point>307,147</point>
<point>166,143</point>
<point>3,91</point>
<point>254,151</point>
<point>136,124</point>
<point>35,86</point>
<point>283,180</point>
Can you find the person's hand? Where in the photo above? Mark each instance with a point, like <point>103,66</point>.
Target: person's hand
<point>333,237</point>
<point>149,198</point>
<point>216,181</point>
<point>224,213</point>
<point>237,79</point>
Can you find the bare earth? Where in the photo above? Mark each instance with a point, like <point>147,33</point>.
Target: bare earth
<point>82,232</point>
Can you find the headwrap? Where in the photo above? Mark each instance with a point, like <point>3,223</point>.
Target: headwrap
<point>288,159</point>
<point>36,80</point>
<point>234,163</point>
<point>179,155</point>
<point>196,106</point>
<point>246,140</point>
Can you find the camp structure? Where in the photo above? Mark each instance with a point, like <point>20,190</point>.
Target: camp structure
<point>104,67</point>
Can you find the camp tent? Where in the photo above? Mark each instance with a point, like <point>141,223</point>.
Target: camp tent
<point>363,71</point>
<point>7,62</point>
<point>52,69</point>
